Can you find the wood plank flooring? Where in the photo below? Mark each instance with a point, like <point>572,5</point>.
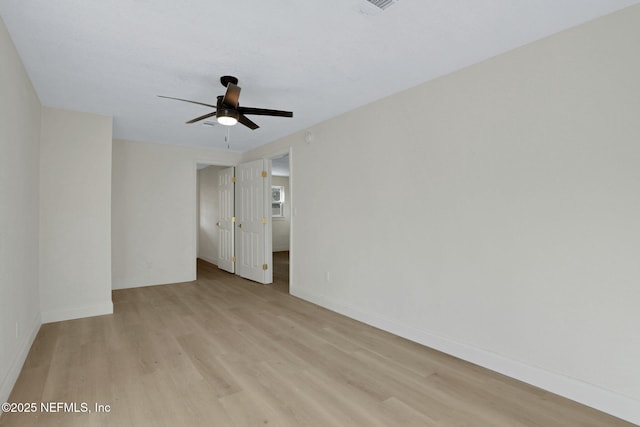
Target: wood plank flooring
<point>222,351</point>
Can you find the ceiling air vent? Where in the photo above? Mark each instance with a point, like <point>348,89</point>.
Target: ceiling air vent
<point>382,4</point>
<point>373,7</point>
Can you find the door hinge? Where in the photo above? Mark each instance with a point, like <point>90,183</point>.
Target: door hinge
<point>264,220</point>
<point>264,174</point>
<point>233,179</point>
<point>233,219</point>
<point>265,267</point>
<point>233,259</point>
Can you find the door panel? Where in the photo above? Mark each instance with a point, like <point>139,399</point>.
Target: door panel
<point>253,221</point>
<point>226,238</point>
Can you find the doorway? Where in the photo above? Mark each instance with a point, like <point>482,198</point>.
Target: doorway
<point>234,219</point>
<point>210,219</point>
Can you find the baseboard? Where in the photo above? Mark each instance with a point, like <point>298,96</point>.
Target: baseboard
<point>16,365</point>
<point>130,283</point>
<point>77,312</point>
<point>603,400</point>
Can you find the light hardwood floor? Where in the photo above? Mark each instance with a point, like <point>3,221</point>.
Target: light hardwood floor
<point>222,351</point>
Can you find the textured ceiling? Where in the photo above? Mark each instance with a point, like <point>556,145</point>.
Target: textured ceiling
<point>315,58</point>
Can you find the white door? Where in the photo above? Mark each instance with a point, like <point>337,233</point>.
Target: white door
<point>253,221</point>
<point>226,193</point>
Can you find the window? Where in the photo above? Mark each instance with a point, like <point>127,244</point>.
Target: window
<point>277,201</point>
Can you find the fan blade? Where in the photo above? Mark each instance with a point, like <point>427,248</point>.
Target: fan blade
<point>197,119</point>
<point>186,100</point>
<point>231,96</point>
<point>264,112</point>
<point>248,123</point>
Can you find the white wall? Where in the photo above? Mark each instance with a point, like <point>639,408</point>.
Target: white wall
<point>19,195</point>
<point>497,218</point>
<point>281,225</point>
<point>154,211</point>
<point>208,213</point>
<point>75,215</point>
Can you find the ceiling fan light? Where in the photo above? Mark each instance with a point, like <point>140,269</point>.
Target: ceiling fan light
<point>227,117</point>
<point>227,121</point>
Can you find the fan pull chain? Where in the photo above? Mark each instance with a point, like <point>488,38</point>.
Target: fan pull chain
<point>227,138</point>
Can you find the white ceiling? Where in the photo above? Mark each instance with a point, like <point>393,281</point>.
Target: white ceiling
<point>315,58</point>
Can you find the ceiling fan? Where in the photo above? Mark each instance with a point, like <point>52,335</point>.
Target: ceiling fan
<point>228,110</point>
